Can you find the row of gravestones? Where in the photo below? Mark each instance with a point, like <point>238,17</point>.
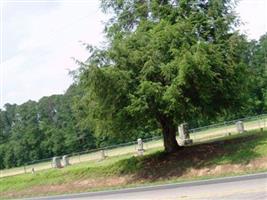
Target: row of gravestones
<point>58,163</point>
<point>183,140</point>
<point>184,137</point>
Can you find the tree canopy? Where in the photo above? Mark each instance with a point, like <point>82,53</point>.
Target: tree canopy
<point>167,62</point>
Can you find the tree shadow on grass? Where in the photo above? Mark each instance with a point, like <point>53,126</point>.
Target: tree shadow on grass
<point>160,165</point>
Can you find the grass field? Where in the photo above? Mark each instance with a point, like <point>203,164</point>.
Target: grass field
<point>237,155</point>
<point>201,135</point>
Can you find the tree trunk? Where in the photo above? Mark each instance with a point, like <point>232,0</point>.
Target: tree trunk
<point>169,135</point>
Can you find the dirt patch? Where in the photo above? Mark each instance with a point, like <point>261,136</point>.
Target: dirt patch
<point>77,186</point>
<point>96,183</point>
<point>259,163</point>
<point>200,160</point>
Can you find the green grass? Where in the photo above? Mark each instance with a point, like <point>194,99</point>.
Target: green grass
<point>246,151</point>
<point>108,167</point>
<point>154,167</point>
<point>204,135</point>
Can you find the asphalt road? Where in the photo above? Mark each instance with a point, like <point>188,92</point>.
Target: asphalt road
<point>248,187</point>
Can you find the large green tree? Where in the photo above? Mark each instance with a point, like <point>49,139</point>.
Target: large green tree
<point>166,62</point>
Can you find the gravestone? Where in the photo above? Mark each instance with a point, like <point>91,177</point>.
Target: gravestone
<point>103,154</point>
<point>240,127</point>
<point>65,160</point>
<point>184,137</point>
<point>56,162</point>
<point>140,147</point>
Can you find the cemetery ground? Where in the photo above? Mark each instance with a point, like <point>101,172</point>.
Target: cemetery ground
<point>199,135</point>
<point>234,156</point>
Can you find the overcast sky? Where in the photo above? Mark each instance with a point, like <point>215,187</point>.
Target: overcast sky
<point>40,37</point>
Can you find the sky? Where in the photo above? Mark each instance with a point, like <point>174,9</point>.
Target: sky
<point>40,37</point>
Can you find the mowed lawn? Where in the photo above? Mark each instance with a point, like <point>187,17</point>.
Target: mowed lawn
<point>237,155</point>
<point>200,136</point>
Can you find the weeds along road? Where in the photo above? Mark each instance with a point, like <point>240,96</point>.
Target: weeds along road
<point>248,187</point>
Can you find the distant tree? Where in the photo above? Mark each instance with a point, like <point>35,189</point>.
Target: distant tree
<point>2,128</point>
<point>24,134</point>
<point>258,74</point>
<point>37,130</point>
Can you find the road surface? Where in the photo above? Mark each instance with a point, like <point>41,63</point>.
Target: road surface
<point>248,187</point>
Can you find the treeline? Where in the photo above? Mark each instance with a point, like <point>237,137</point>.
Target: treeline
<point>52,126</point>
<point>37,130</point>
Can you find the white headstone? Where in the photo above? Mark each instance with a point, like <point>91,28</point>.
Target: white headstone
<point>183,131</point>
<point>240,127</point>
<point>56,162</point>
<point>140,147</point>
<point>65,160</point>
<point>184,137</point>
<point>103,155</point>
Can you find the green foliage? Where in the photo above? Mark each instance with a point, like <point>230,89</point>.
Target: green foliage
<point>257,64</point>
<point>38,130</point>
<point>166,63</point>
